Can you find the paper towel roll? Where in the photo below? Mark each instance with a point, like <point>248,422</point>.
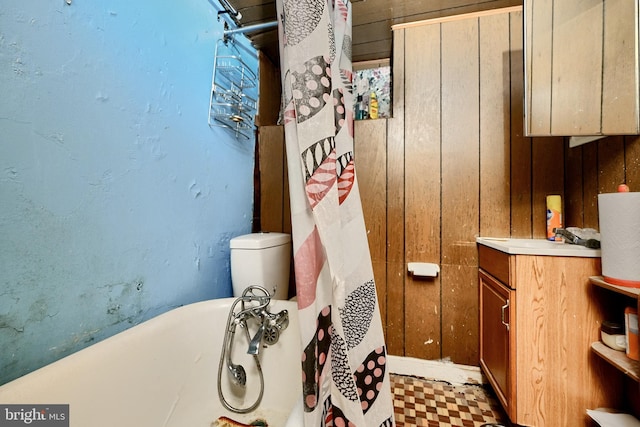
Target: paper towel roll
<point>620,237</point>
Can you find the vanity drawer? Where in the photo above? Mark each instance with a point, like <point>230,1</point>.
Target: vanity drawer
<point>495,263</point>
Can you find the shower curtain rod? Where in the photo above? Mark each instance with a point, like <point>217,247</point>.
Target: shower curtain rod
<point>251,28</point>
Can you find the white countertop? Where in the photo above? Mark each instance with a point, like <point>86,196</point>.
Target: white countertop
<point>537,247</point>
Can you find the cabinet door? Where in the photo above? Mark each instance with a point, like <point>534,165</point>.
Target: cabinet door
<point>496,314</point>
<point>581,67</point>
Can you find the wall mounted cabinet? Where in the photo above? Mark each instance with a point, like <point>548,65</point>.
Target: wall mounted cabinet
<point>581,67</point>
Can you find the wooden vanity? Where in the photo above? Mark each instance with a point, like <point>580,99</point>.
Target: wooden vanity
<point>538,319</point>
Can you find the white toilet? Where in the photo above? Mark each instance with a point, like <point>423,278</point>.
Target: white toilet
<point>261,259</point>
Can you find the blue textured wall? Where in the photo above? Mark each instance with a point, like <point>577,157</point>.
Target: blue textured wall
<point>117,200</point>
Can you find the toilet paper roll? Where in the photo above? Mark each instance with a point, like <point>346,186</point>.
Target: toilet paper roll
<point>620,238</point>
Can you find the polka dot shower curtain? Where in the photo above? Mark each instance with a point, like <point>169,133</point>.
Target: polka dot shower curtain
<point>344,369</point>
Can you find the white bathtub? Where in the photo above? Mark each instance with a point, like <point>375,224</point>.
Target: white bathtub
<point>163,372</point>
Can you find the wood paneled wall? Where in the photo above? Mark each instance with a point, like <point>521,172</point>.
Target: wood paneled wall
<point>273,181</point>
<point>453,164</point>
<point>598,167</point>
<point>455,81</point>
<point>373,40</point>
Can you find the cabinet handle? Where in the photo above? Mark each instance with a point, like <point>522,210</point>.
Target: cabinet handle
<point>503,308</point>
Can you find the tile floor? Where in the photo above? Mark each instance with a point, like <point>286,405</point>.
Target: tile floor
<point>420,402</point>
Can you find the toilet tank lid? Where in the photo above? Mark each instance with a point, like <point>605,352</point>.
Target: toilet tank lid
<point>259,240</point>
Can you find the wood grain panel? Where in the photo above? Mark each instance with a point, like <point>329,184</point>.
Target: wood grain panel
<point>270,89</point>
<point>520,148</point>
<point>370,138</point>
<point>574,201</point>
<point>557,369</point>
<point>632,162</point>
<point>265,39</point>
<point>374,18</point>
<point>577,33</point>
<point>460,188</point>
<point>538,74</point>
<point>548,178</point>
<point>590,185</point>
<point>248,4</point>
<point>422,190</point>
<point>373,50</point>
<point>460,141</point>
<point>495,126</point>
<point>460,308</point>
<point>535,332</point>
<point>261,12</point>
<point>610,164</point>
<point>401,11</point>
<point>272,178</point>
<point>372,32</point>
<point>620,63</point>
<point>395,337</point>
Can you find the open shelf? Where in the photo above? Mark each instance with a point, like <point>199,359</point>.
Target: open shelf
<point>619,359</point>
<point>624,290</point>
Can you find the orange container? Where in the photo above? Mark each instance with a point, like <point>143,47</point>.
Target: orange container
<point>554,215</point>
<point>631,328</point>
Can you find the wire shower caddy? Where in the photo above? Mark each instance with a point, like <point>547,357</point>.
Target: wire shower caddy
<point>232,105</point>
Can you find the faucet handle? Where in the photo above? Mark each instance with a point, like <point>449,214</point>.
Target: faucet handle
<point>281,320</point>
<point>271,334</point>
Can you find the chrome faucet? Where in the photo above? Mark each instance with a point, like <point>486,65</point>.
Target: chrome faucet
<point>269,331</point>
<point>572,238</point>
<point>256,341</point>
<point>253,304</point>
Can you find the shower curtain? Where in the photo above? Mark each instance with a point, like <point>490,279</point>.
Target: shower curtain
<point>344,370</point>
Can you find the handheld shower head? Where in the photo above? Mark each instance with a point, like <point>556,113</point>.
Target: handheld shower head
<point>238,374</point>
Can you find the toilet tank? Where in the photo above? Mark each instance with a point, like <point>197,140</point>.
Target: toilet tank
<point>261,259</point>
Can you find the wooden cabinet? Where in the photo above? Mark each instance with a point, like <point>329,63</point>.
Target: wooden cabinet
<point>495,329</point>
<point>581,67</point>
<point>537,322</point>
